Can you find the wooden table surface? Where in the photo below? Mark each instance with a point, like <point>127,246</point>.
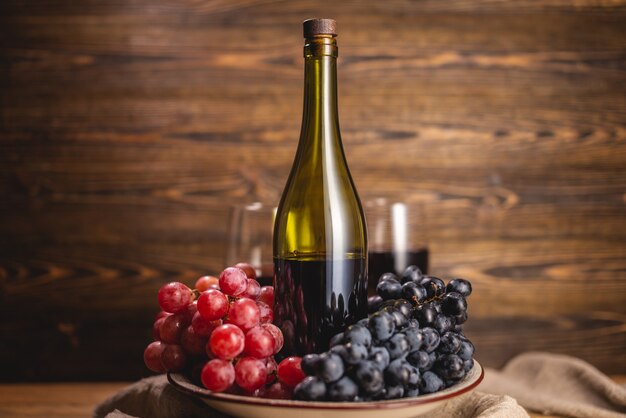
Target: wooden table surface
<point>73,400</point>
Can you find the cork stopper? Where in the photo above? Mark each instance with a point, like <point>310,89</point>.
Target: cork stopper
<point>317,27</point>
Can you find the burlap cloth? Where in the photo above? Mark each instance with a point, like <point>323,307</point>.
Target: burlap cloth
<point>541,382</point>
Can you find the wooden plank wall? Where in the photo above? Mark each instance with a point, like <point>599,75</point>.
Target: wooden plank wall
<point>128,127</point>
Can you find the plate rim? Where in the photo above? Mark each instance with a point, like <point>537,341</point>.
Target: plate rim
<point>288,403</point>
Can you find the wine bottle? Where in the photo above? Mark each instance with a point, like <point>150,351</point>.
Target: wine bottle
<point>320,236</point>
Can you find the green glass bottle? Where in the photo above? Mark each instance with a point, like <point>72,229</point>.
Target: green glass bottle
<point>320,236</point>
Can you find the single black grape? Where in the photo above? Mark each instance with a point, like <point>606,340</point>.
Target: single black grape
<point>398,346</point>
<point>415,338</point>
<point>374,303</point>
<point>444,323</point>
<point>466,350</point>
<point>467,365</point>
<point>350,353</point>
<point>310,389</point>
<point>399,319</point>
<point>434,286</point>
<point>309,364</point>
<point>413,292</point>
<point>450,343</point>
<point>368,377</point>
<point>343,390</point>
<point>412,274</point>
<point>430,383</point>
<point>330,367</point>
<point>398,372</point>
<point>453,304</point>
<point>426,315</point>
<point>381,325</point>
<point>431,339</point>
<point>421,359</point>
<point>380,357</point>
<point>404,306</point>
<point>358,334</point>
<point>401,372</point>
<point>387,276</point>
<point>462,286</point>
<point>389,289</point>
<point>449,367</point>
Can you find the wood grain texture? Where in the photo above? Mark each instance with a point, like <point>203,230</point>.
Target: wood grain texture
<point>127,128</point>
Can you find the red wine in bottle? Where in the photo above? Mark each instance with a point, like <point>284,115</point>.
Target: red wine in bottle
<point>315,308</point>
<point>320,238</point>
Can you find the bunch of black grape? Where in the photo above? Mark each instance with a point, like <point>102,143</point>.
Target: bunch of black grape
<point>412,343</point>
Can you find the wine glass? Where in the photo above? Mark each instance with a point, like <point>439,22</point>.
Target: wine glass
<point>397,238</point>
<point>250,232</point>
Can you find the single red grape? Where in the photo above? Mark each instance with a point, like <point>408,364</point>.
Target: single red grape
<point>244,313</point>
<point>174,297</point>
<point>259,343</point>
<point>205,283</point>
<point>248,269</point>
<point>212,304</point>
<point>289,371</point>
<point>172,327</point>
<point>204,327</point>
<point>250,373</point>
<point>152,356</point>
<point>191,342</point>
<point>173,358</point>
<point>279,340</point>
<point>156,328</point>
<point>227,341</point>
<point>266,313</point>
<point>267,295</point>
<point>218,375</point>
<point>233,281</point>
<point>253,290</point>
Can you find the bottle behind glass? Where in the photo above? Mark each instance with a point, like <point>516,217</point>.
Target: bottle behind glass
<point>320,238</point>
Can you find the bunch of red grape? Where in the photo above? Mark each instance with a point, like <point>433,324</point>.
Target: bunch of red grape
<point>227,333</point>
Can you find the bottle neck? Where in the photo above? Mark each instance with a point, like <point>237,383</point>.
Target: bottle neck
<point>320,121</point>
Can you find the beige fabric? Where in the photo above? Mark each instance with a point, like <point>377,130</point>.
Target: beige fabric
<point>543,382</point>
<point>153,397</point>
<point>481,405</point>
<point>559,385</point>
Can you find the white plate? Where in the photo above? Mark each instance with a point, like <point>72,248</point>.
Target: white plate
<point>250,407</point>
